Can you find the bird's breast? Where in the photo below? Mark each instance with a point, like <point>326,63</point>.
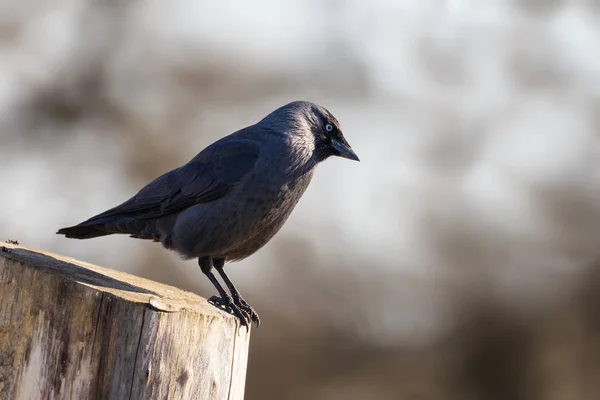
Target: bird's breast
<point>264,212</point>
<point>275,200</point>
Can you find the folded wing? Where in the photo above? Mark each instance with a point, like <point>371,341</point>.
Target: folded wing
<point>209,176</point>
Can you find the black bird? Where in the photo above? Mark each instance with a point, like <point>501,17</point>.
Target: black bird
<point>229,200</point>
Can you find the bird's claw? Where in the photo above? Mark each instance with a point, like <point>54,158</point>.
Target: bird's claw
<point>247,308</point>
<point>243,311</point>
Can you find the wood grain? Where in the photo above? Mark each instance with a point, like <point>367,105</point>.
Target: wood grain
<point>71,330</point>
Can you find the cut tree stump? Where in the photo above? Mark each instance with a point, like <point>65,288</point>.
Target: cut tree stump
<point>71,330</point>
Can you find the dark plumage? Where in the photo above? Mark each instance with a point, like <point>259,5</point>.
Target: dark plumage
<point>229,200</point>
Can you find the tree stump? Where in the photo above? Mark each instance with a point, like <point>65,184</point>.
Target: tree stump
<point>71,330</point>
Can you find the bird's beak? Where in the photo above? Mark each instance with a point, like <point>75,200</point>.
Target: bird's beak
<point>344,150</point>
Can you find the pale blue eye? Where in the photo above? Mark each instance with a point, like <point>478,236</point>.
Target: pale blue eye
<point>328,127</point>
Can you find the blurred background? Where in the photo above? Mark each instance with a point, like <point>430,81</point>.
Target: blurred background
<point>459,260</point>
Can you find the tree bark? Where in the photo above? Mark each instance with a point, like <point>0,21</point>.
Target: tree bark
<point>71,330</point>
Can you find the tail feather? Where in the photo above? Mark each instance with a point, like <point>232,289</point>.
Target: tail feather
<point>84,231</point>
<point>141,229</point>
<point>96,226</point>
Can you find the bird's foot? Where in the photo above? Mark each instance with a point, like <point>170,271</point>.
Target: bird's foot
<point>247,308</point>
<point>228,304</point>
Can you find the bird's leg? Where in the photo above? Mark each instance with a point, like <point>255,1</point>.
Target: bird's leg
<point>237,297</point>
<point>224,299</point>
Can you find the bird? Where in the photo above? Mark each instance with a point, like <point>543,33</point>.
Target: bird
<point>231,198</point>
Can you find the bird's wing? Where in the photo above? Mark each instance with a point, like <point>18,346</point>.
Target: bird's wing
<point>207,177</point>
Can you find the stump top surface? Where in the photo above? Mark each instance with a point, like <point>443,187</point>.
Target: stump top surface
<point>129,287</point>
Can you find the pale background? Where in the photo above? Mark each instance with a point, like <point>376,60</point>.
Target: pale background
<point>459,260</point>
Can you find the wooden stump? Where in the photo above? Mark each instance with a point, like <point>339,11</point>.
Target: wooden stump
<point>71,330</point>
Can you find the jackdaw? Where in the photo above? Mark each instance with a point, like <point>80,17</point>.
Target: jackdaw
<point>229,200</point>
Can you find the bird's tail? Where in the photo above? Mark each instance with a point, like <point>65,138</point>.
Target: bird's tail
<point>84,231</point>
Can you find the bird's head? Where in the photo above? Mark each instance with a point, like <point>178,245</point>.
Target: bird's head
<point>312,124</point>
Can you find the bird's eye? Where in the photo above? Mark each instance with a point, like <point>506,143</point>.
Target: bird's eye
<point>328,127</point>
